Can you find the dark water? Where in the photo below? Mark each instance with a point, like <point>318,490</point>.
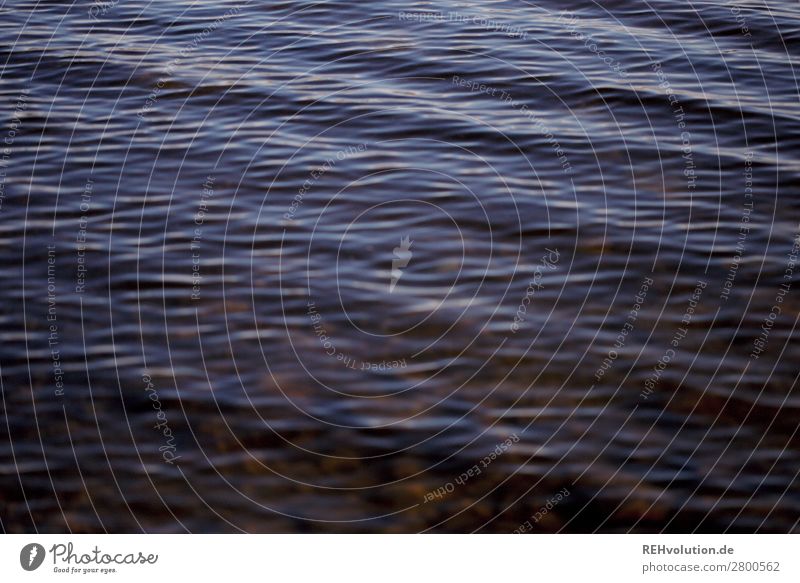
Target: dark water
<point>327,267</point>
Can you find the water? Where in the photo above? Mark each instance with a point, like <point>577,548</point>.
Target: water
<point>338,267</point>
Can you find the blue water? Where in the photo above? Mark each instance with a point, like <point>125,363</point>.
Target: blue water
<point>399,267</point>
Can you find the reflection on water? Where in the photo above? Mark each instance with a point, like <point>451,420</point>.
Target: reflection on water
<point>332,267</point>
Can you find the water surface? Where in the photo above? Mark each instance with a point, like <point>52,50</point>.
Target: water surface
<point>399,267</point>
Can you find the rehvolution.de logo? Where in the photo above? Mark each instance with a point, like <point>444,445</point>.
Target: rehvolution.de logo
<point>31,556</point>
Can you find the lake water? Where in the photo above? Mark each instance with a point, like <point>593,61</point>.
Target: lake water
<point>399,267</point>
